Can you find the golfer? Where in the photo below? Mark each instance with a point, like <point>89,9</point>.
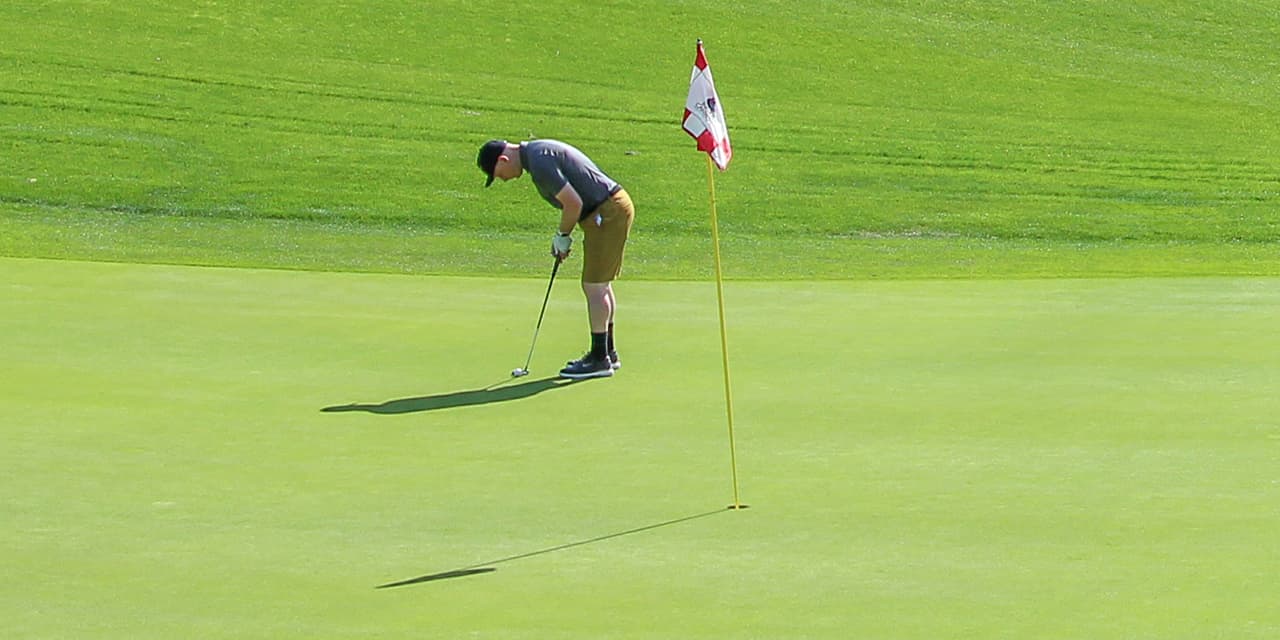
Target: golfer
<point>587,198</point>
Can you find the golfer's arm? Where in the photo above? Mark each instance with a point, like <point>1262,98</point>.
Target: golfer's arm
<point>571,208</point>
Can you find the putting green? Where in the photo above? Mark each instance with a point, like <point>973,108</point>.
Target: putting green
<point>925,459</point>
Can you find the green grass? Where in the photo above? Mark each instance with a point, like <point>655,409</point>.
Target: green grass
<point>953,130</point>
<point>993,459</point>
<point>979,393</point>
<point>40,232</point>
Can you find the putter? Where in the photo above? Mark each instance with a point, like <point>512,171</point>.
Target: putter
<point>524,371</point>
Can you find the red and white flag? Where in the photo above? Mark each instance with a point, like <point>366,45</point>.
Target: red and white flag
<point>703,115</point>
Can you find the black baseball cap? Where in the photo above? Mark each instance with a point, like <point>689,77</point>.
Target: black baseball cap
<point>488,158</point>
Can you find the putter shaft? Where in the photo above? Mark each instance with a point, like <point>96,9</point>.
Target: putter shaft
<point>538,327</point>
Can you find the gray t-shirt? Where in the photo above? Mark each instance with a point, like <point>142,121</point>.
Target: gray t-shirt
<point>552,164</point>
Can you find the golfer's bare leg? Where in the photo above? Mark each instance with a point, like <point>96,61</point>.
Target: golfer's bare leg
<point>613,304</point>
<point>599,304</point>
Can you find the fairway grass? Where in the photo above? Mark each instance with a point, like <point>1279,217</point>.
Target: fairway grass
<point>38,232</point>
<point>923,459</point>
<point>897,138</point>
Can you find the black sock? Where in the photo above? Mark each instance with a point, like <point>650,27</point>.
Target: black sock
<point>609,341</point>
<point>598,345</point>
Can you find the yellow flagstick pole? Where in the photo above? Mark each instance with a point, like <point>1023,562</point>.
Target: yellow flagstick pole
<point>724,341</point>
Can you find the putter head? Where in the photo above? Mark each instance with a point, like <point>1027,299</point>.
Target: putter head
<point>519,372</point>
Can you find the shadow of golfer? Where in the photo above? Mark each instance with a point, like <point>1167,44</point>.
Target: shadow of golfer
<point>487,395</point>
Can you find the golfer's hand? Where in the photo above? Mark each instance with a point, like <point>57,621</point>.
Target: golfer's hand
<point>560,245</point>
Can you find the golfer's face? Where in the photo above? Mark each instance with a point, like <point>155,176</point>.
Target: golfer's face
<point>504,170</point>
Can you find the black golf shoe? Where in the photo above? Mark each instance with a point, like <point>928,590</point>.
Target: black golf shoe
<point>614,360</point>
<point>588,366</point>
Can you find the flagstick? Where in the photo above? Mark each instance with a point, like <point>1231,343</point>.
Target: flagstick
<point>724,342</point>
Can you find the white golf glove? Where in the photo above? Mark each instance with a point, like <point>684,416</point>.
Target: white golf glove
<point>560,244</point>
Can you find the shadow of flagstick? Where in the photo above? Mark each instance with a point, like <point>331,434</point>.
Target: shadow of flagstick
<point>487,567</point>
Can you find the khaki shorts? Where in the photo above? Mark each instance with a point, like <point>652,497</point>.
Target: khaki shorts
<point>604,238</point>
